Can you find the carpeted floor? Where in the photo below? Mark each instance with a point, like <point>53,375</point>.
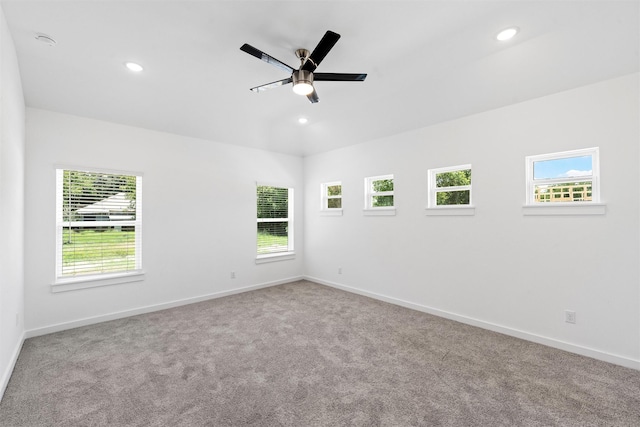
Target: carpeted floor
<point>303,354</point>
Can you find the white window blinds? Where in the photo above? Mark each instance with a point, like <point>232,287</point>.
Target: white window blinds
<point>98,223</point>
<point>274,220</point>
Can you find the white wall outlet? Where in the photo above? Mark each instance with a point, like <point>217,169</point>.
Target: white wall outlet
<point>570,316</point>
<point>339,270</point>
<point>233,274</point>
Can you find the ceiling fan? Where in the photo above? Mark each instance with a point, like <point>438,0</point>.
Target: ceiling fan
<point>304,76</point>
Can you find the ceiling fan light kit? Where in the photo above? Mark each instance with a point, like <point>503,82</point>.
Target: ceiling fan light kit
<point>303,77</point>
<point>302,82</point>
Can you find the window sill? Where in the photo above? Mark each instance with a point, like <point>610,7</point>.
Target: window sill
<point>282,256</point>
<point>379,212</point>
<point>85,282</point>
<point>451,211</point>
<point>565,209</point>
<point>331,212</point>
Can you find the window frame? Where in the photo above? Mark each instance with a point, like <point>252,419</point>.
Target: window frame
<point>432,196</point>
<point>584,207</point>
<point>325,197</point>
<point>68,283</point>
<point>369,194</point>
<point>290,252</point>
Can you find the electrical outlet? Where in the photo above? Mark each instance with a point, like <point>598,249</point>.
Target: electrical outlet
<point>339,270</point>
<point>233,274</point>
<point>570,316</point>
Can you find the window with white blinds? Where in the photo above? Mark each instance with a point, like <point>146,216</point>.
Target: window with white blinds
<point>98,224</point>
<point>274,220</point>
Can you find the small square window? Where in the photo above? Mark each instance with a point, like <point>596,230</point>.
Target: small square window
<point>331,199</point>
<point>450,186</point>
<point>379,193</point>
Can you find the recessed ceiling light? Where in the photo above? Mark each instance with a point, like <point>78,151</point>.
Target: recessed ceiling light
<point>303,120</point>
<point>45,39</point>
<point>507,34</point>
<point>132,66</point>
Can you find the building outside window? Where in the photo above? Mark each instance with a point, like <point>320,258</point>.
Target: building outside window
<point>98,224</point>
<point>566,177</point>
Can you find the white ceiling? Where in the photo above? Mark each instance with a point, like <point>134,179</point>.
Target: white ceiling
<point>427,62</point>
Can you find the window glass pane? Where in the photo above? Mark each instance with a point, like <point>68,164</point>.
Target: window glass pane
<point>273,220</point>
<point>569,167</point>
<point>453,197</point>
<point>383,185</point>
<point>273,202</point>
<point>89,247</point>
<point>574,192</point>
<point>334,190</point>
<point>273,237</point>
<point>453,179</point>
<point>378,201</point>
<point>334,203</point>
<point>95,250</point>
<point>88,196</point>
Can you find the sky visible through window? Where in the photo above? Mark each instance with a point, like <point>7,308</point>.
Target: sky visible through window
<point>563,168</point>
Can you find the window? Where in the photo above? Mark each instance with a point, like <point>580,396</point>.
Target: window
<point>450,186</point>
<point>98,225</point>
<point>566,179</point>
<point>331,200</point>
<point>275,221</point>
<point>378,193</point>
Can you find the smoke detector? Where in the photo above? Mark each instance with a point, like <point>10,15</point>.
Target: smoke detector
<point>45,39</point>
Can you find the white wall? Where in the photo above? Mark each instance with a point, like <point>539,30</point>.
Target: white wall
<point>198,217</point>
<point>11,206</point>
<point>498,269</point>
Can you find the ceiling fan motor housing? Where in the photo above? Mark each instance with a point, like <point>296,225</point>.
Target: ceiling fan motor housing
<point>302,76</point>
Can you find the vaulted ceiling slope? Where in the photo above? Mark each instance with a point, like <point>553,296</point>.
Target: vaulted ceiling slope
<point>427,62</point>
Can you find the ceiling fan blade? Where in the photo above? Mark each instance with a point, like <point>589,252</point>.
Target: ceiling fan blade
<point>326,44</point>
<point>313,96</point>
<point>266,58</point>
<point>339,77</point>
<point>271,85</point>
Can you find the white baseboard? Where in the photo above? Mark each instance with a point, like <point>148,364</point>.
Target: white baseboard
<point>6,375</point>
<point>550,342</point>
<point>150,308</point>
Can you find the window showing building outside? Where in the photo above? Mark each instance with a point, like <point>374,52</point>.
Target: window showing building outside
<point>566,177</point>
<point>98,223</point>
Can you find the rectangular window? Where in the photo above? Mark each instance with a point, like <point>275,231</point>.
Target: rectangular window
<point>450,186</point>
<point>98,224</point>
<point>379,193</point>
<point>274,220</point>
<point>571,176</point>
<point>331,196</point>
